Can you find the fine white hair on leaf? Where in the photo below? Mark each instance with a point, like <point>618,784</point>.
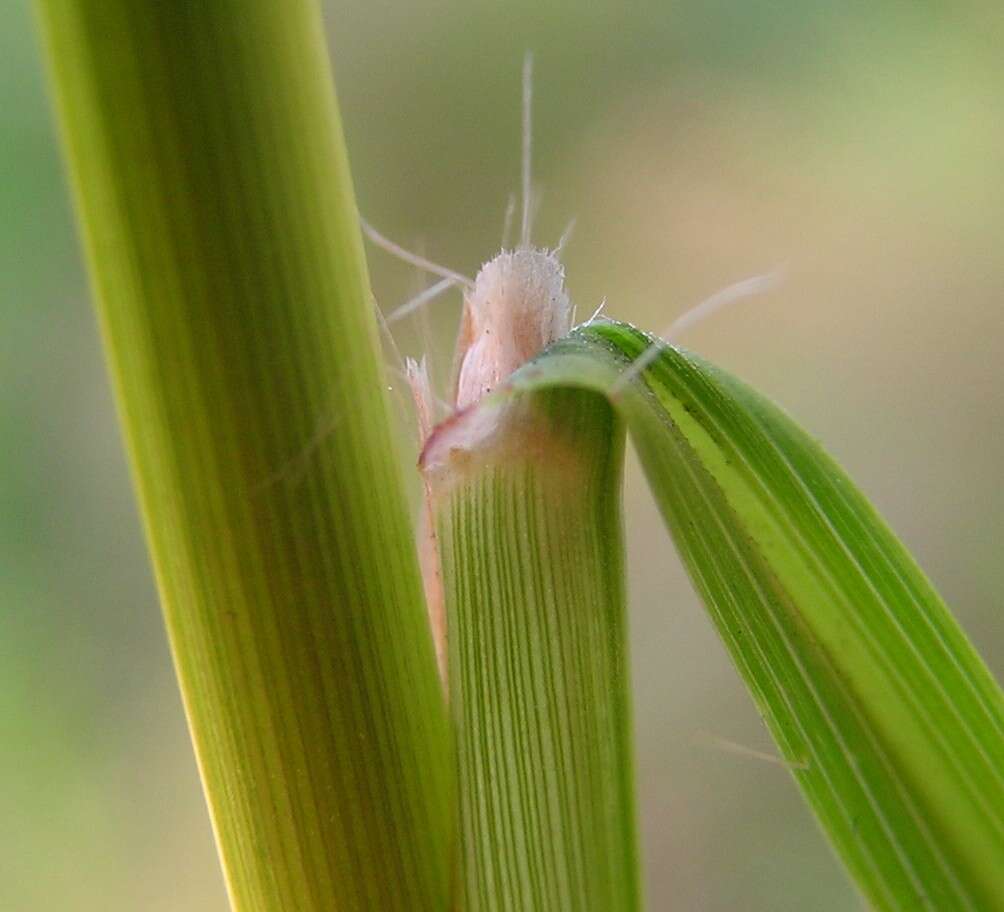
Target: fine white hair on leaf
<point>596,312</point>
<point>384,325</point>
<point>525,162</point>
<point>697,314</point>
<point>295,469</point>
<point>414,259</point>
<point>402,369</point>
<point>423,297</point>
<point>744,289</point>
<point>566,236</point>
<point>417,374</point>
<point>510,211</point>
<point>734,747</point>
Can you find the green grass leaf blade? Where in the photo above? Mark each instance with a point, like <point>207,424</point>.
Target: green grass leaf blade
<point>891,721</point>
<point>221,232</point>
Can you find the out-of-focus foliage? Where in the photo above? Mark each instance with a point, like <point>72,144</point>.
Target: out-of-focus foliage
<point>857,143</point>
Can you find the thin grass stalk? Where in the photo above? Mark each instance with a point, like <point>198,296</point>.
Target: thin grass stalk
<point>215,203</point>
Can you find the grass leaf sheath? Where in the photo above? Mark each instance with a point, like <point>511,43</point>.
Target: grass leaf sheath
<point>531,545</point>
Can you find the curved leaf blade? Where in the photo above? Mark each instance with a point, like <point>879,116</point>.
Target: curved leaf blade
<point>893,723</point>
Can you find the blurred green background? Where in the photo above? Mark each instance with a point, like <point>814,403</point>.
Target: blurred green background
<point>696,143</point>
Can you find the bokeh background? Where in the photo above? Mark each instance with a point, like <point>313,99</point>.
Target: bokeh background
<point>696,143</point>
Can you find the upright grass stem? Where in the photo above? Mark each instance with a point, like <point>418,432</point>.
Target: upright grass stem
<point>217,212</point>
